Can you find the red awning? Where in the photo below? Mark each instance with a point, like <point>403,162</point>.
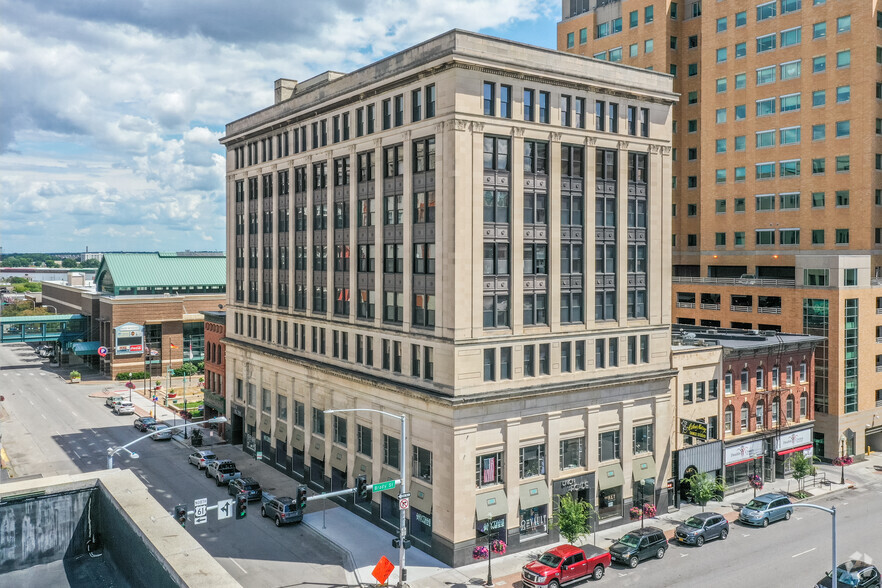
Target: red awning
<point>795,449</point>
<point>743,461</point>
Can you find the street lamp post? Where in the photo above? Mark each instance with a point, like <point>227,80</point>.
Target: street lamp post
<point>130,385</point>
<point>831,511</point>
<point>402,531</point>
<point>111,451</point>
<point>842,441</point>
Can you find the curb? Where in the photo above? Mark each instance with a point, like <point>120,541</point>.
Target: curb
<point>353,575</point>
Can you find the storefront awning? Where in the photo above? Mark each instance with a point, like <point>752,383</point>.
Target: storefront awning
<point>85,347</point>
<point>317,448</point>
<point>643,467</point>
<point>610,476</point>
<point>363,468</point>
<point>534,494</point>
<point>489,505</point>
<point>250,417</point>
<point>338,458</point>
<point>421,498</point>
<point>297,439</point>
<point>265,424</point>
<point>795,449</point>
<point>281,432</point>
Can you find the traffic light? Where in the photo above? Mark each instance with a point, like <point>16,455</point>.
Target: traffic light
<point>301,497</point>
<point>362,492</point>
<point>241,505</point>
<point>181,514</point>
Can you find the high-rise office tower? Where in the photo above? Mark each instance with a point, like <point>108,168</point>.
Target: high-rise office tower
<point>777,176</point>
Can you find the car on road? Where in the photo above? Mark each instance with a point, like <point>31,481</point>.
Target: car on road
<point>160,431</point>
<point>201,458</point>
<point>248,486</point>
<point>124,407</point>
<point>111,400</point>
<point>759,510</point>
<point>702,527</point>
<point>564,564</point>
<point>853,573</point>
<point>281,510</point>
<point>638,545</point>
<point>222,470</point>
<point>141,423</point>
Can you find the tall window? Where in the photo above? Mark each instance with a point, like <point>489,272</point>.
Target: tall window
<point>532,461</point>
<point>608,446</point>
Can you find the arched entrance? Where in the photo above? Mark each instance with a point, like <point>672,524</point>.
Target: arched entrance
<point>684,482</point>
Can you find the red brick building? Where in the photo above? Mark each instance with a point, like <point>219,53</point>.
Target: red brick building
<point>215,364</point>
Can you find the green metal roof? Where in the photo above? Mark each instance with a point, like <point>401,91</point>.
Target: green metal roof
<point>40,318</point>
<point>85,347</point>
<point>162,270</point>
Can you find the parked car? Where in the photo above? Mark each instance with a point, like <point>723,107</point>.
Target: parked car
<point>852,573</point>
<point>111,400</point>
<point>638,545</point>
<point>124,407</point>
<point>160,431</point>
<point>141,423</point>
<point>201,459</point>
<point>249,486</point>
<point>565,564</point>
<point>702,527</point>
<point>282,510</point>
<point>759,510</point>
<point>222,470</point>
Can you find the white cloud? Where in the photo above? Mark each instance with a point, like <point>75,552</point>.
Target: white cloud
<point>108,106</point>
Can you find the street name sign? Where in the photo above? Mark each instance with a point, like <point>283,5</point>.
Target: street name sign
<point>383,486</point>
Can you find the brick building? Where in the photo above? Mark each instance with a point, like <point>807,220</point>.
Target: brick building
<point>215,366</point>
<point>140,306</point>
<point>776,178</point>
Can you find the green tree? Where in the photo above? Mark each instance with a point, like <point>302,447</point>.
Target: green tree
<point>68,262</point>
<point>702,487</point>
<point>802,466</point>
<point>90,263</point>
<point>23,308</point>
<point>573,518</point>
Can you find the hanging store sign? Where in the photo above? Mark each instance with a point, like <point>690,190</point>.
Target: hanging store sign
<point>693,429</point>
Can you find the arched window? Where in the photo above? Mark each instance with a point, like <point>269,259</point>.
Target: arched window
<point>745,417</point>
<point>803,405</point>
<point>729,420</point>
<point>760,414</point>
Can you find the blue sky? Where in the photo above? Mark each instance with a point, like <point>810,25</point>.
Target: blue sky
<point>112,110</point>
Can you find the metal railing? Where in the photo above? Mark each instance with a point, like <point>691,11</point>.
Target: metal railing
<point>768,309</point>
<point>710,306</point>
<point>685,305</point>
<point>740,308</point>
<point>737,281</point>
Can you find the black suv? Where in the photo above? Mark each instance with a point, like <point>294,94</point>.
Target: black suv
<point>248,486</point>
<point>282,510</point>
<point>638,545</point>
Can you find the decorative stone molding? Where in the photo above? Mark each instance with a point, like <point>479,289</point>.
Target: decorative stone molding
<point>517,132</point>
<point>655,149</point>
<point>623,145</point>
<point>406,136</point>
<point>460,125</point>
<point>591,141</point>
<point>666,150</point>
<point>477,127</point>
<point>554,137</point>
<point>378,143</point>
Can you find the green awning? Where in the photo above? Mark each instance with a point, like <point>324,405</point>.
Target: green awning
<point>643,467</point>
<point>610,476</point>
<point>490,505</point>
<point>85,347</point>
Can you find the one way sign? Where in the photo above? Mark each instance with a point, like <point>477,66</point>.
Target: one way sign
<point>225,509</point>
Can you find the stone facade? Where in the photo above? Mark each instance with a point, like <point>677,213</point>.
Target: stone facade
<point>478,189</point>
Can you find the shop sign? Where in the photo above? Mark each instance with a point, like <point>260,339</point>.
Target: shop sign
<point>795,439</point>
<point>744,451</point>
<point>693,429</point>
<point>534,520</point>
<point>495,525</point>
<point>129,339</point>
<point>422,518</point>
<point>583,482</point>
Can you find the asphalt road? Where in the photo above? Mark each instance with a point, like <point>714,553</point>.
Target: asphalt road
<point>788,553</point>
<point>51,427</point>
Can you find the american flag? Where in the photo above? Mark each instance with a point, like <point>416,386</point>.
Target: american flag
<point>488,471</point>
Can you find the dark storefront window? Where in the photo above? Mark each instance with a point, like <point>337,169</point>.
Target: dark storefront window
<point>281,453</point>
<point>317,471</point>
<point>338,480</point>
<point>389,510</point>
<point>496,528</point>
<point>420,526</point>
<point>609,503</point>
<point>297,461</point>
<point>534,521</point>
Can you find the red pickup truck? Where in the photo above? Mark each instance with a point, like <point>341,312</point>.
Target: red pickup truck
<point>565,564</point>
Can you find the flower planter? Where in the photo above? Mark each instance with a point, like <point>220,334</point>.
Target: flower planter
<point>75,380</point>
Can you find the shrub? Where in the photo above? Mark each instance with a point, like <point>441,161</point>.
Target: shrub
<point>135,376</point>
<point>75,374</point>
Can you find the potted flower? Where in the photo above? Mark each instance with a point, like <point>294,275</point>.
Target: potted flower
<point>480,552</point>
<point>635,512</point>
<point>843,461</point>
<point>499,547</point>
<point>172,393</point>
<point>755,481</point>
<point>649,510</point>
<point>75,377</point>
<point>158,384</point>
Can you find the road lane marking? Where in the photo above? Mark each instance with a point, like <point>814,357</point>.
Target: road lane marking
<point>77,454</point>
<point>238,566</point>
<point>44,417</point>
<point>804,552</point>
<point>683,554</point>
<point>32,402</point>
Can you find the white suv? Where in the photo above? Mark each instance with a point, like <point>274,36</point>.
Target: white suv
<point>124,407</point>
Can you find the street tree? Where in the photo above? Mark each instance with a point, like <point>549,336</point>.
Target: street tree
<point>573,518</point>
<point>702,488</point>
<point>68,262</point>
<point>802,466</point>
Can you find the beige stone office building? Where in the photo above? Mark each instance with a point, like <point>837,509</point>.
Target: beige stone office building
<point>777,175</point>
<point>443,234</point>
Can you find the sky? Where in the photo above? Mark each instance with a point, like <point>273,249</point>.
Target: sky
<point>111,110</point>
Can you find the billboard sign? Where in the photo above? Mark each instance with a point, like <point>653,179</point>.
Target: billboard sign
<point>129,339</point>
